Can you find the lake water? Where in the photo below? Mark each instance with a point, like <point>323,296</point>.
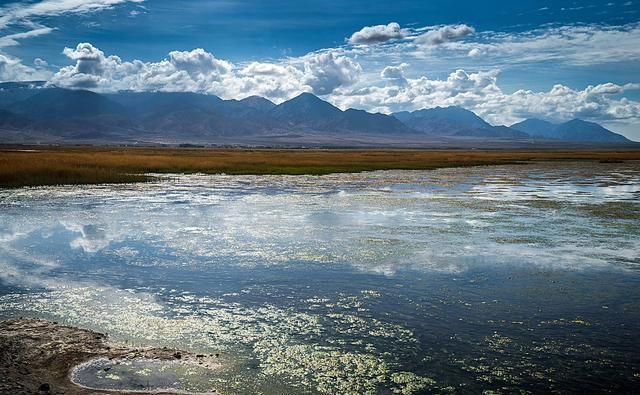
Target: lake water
<point>454,280</point>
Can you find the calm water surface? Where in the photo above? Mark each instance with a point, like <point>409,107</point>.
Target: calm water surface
<point>448,281</point>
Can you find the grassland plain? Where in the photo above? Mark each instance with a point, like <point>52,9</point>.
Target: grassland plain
<point>91,165</point>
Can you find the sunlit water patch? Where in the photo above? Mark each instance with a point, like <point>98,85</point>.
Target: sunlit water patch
<point>454,280</point>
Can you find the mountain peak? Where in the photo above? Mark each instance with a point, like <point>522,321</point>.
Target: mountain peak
<point>537,121</point>
<point>257,103</point>
<point>442,120</point>
<point>309,99</point>
<point>307,96</point>
<point>535,127</point>
<point>255,98</point>
<point>306,108</point>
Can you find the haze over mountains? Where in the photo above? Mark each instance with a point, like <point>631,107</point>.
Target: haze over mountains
<point>32,113</point>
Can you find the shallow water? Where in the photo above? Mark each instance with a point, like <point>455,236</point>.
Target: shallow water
<point>139,375</point>
<point>453,280</point>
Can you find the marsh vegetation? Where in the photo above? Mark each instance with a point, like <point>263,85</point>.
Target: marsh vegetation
<point>83,165</point>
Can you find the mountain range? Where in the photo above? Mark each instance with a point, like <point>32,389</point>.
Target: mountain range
<point>574,130</point>
<point>31,112</point>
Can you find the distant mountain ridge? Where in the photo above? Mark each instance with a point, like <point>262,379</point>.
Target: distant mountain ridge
<point>12,92</point>
<point>31,111</point>
<point>455,121</point>
<point>57,103</point>
<point>574,130</point>
<point>185,117</point>
<point>310,112</point>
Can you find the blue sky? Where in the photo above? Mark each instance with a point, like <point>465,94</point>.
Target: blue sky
<point>504,60</point>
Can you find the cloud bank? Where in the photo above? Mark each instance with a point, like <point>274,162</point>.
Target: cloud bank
<point>481,93</point>
<point>200,71</point>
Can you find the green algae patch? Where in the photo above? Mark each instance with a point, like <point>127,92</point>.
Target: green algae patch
<point>407,383</point>
<point>327,369</point>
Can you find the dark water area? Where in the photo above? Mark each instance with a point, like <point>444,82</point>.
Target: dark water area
<point>503,278</point>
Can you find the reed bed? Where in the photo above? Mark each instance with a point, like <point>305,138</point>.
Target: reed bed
<point>89,165</point>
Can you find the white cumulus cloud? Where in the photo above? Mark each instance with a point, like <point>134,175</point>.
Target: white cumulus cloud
<point>325,72</point>
<point>198,63</point>
<point>394,74</point>
<point>377,34</point>
<point>444,34</point>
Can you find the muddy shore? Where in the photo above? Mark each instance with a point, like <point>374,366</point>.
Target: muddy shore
<point>37,356</point>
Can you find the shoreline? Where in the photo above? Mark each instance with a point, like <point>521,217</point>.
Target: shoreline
<point>39,357</point>
<point>104,165</point>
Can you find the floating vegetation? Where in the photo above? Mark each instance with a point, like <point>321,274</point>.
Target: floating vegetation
<point>327,369</point>
<point>408,383</point>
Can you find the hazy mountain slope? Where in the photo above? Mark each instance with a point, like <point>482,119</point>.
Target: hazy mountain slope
<point>306,110</point>
<point>57,103</point>
<point>365,122</point>
<point>312,113</point>
<point>146,104</point>
<point>442,120</point>
<point>253,113</point>
<point>58,114</point>
<point>257,103</point>
<point>579,130</point>
<point>498,132</point>
<point>454,121</point>
<point>536,128</point>
<point>196,125</point>
<point>190,115</point>
<point>13,92</point>
<point>9,120</point>
<point>575,130</point>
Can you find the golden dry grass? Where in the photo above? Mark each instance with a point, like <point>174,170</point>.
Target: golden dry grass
<point>84,165</point>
